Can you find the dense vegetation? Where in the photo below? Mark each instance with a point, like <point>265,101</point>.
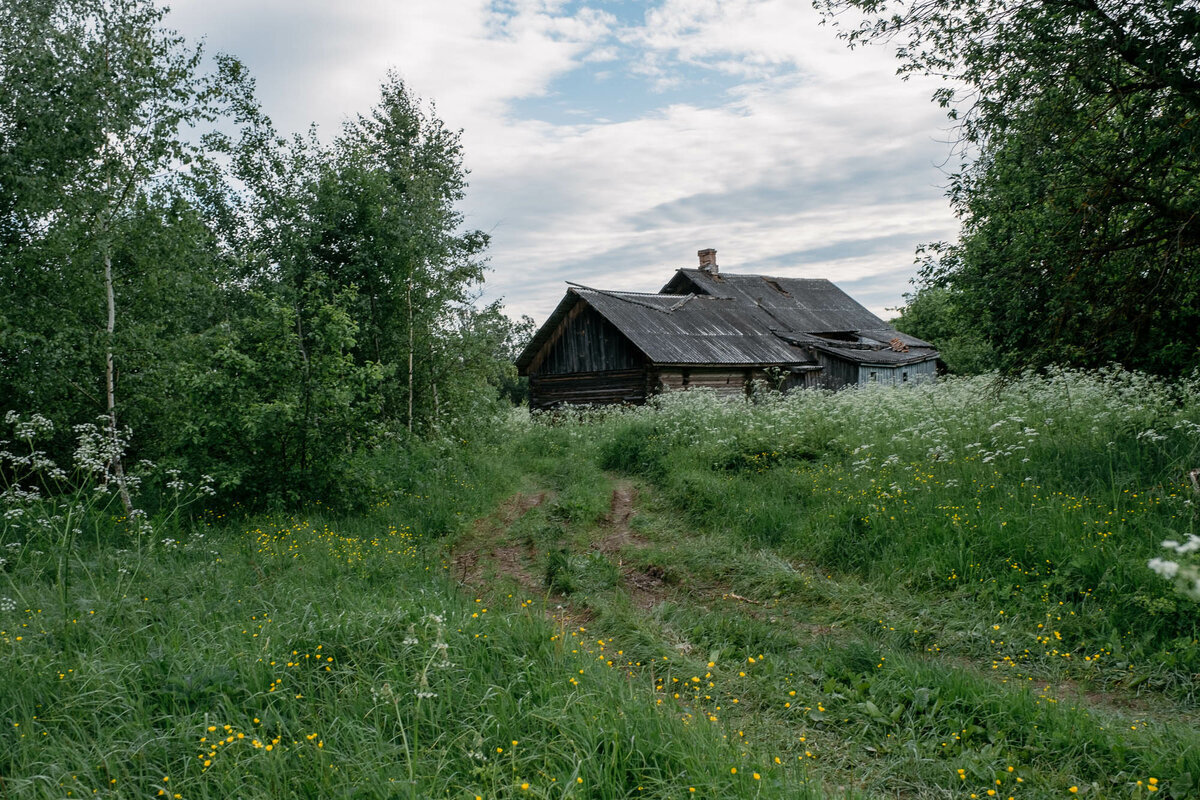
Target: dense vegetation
<point>265,530</point>
<point>1077,182</point>
<point>935,591</point>
<point>232,302</point>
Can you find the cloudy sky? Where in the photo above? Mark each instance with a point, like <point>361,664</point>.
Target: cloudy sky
<point>609,140</point>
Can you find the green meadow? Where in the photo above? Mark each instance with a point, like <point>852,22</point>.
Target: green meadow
<point>939,591</point>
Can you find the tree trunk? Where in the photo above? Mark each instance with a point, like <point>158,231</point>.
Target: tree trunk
<point>307,389</point>
<point>410,358</point>
<point>118,467</point>
<point>437,411</point>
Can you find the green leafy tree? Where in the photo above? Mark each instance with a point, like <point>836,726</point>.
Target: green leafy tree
<point>360,315</point>
<point>389,225</point>
<point>934,313</point>
<point>95,96</point>
<point>1078,192</point>
<point>256,307</point>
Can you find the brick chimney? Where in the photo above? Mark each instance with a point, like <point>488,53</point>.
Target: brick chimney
<point>708,261</point>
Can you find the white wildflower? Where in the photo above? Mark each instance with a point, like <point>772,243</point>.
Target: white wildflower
<point>1167,569</point>
<point>1192,545</point>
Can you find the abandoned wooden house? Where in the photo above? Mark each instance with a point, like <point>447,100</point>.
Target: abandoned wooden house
<point>711,329</point>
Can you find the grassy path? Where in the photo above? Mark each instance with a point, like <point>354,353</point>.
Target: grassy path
<point>807,666</point>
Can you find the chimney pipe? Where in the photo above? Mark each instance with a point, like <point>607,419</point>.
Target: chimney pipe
<point>708,260</point>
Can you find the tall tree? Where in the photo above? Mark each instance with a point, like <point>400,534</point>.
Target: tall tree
<point>258,307</point>
<point>95,96</point>
<point>390,226</point>
<point>1079,189</point>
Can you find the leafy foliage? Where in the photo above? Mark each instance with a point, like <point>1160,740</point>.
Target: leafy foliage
<point>254,307</point>
<point>934,313</point>
<point>1078,192</point>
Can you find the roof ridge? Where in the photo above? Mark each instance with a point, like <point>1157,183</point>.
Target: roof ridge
<point>616,296</point>
<point>755,275</point>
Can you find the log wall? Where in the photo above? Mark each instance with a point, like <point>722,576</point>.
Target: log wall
<point>589,388</point>
<point>725,381</point>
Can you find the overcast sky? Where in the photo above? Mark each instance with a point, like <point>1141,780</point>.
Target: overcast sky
<point>609,140</point>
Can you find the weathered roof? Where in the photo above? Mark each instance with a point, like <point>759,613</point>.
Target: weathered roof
<point>741,320</point>
<point>797,304</point>
<point>868,351</point>
<point>694,329</point>
<point>674,329</point>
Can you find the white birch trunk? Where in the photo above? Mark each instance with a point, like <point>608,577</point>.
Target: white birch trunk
<point>118,467</point>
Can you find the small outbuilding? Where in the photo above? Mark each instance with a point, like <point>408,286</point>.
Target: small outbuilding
<point>716,330</point>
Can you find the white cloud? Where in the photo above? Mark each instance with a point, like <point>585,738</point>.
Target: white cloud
<point>751,39</point>
<point>322,62</point>
<point>786,166</point>
<point>804,146</point>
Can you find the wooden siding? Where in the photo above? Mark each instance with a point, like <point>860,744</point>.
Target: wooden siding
<point>726,382</point>
<point>806,379</point>
<point>897,376</point>
<point>835,373</point>
<point>587,343</point>
<point>626,386</point>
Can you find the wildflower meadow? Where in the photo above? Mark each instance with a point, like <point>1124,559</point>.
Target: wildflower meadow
<point>952,590</point>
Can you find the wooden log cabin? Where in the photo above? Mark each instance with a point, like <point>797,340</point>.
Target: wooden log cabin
<point>715,330</point>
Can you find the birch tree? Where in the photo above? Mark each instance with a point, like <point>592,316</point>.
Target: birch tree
<point>96,104</point>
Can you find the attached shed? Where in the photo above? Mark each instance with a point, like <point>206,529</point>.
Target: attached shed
<point>719,331</point>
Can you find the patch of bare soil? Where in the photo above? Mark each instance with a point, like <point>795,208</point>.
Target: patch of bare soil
<point>486,552</point>
<point>646,588</point>
<point>1122,702</point>
<point>616,533</point>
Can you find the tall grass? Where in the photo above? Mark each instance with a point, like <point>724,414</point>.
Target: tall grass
<point>316,655</point>
<point>937,591</point>
<point>885,592</point>
<point>1042,498</point>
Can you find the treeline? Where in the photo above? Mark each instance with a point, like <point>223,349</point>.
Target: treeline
<point>237,303</point>
<point>1078,188</point>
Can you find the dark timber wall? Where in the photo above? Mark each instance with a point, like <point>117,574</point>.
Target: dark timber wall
<point>589,361</point>
<point>588,343</point>
<point>591,388</point>
<point>835,373</point>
